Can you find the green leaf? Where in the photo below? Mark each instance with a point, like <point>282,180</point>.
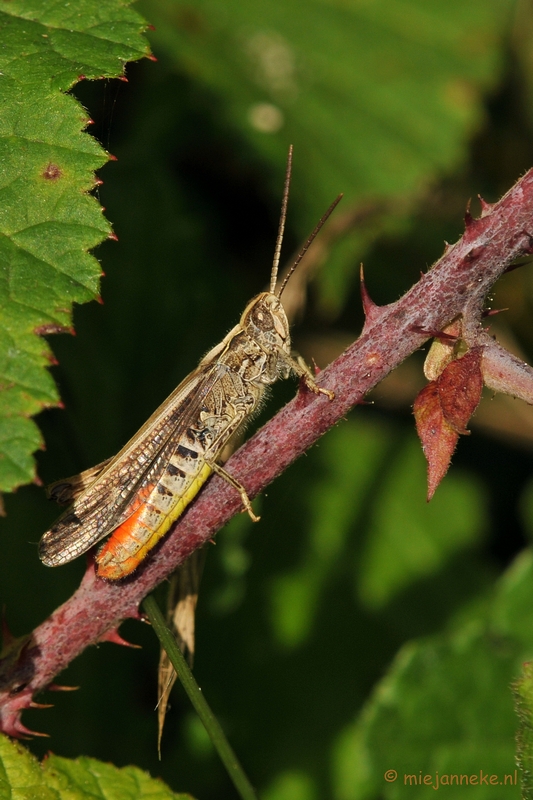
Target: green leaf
<point>412,539</point>
<point>291,785</point>
<point>21,775</point>
<point>378,98</point>
<point>446,705</point>
<point>372,489</point>
<point>48,219</point>
<point>523,692</point>
<point>351,456</point>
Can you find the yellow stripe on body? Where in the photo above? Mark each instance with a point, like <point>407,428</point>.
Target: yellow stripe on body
<point>129,544</point>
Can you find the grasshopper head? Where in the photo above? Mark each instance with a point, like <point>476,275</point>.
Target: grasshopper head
<point>264,320</point>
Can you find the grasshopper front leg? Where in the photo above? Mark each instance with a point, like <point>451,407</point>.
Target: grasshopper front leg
<point>302,370</point>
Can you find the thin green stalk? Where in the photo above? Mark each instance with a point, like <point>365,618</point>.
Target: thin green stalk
<point>211,724</point>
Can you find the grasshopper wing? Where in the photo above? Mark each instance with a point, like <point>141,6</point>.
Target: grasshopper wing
<point>67,490</point>
<point>114,494</point>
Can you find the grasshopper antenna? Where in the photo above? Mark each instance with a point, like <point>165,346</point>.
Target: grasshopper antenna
<point>281,228</point>
<point>305,248</point>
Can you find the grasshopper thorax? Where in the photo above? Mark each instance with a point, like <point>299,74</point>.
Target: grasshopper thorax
<point>264,320</point>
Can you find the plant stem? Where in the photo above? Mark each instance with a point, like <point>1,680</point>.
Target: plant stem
<point>211,724</point>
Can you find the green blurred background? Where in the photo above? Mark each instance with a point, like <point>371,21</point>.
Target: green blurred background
<point>410,108</point>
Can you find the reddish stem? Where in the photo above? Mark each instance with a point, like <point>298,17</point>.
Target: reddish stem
<point>456,285</point>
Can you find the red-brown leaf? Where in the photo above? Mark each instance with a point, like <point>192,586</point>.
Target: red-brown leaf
<point>442,410</point>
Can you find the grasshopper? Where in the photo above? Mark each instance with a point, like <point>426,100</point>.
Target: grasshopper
<point>137,495</point>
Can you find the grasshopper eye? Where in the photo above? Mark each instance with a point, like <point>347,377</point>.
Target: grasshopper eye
<point>262,319</point>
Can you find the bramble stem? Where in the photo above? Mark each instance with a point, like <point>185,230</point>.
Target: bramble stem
<point>455,287</point>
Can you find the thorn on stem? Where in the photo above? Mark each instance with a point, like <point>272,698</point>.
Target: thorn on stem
<point>58,687</point>
<point>491,312</point>
<point>441,335</point>
<point>369,307</point>
<point>114,636</point>
<point>486,208</point>
<point>20,731</point>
